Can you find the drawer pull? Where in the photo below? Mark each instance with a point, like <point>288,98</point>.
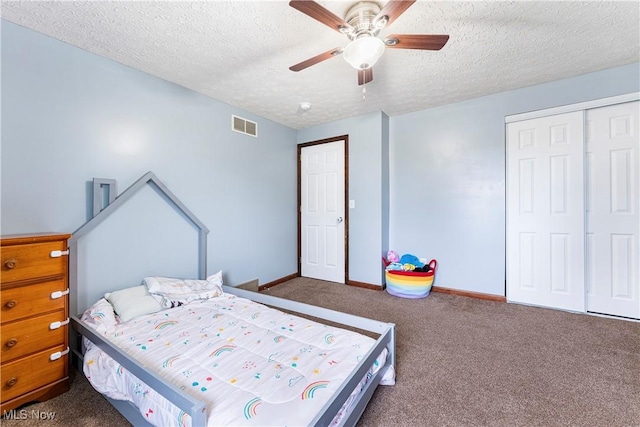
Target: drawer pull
<point>11,263</point>
<point>58,354</point>
<point>56,325</point>
<point>12,342</point>
<point>58,294</point>
<point>58,254</point>
<point>12,381</point>
<point>11,303</point>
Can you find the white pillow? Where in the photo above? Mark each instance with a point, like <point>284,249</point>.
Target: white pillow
<point>132,302</point>
<point>215,282</point>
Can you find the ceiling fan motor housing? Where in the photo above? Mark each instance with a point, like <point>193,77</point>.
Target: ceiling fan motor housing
<point>361,17</point>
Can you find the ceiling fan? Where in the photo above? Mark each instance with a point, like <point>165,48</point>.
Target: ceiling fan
<point>362,24</point>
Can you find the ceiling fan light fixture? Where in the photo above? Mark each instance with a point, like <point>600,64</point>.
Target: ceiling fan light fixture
<point>364,52</point>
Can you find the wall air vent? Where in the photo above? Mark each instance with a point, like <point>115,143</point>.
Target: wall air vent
<point>238,124</point>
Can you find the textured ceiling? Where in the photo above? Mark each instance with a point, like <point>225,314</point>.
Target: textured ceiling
<point>239,52</point>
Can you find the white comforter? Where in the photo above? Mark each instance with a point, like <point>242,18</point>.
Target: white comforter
<point>253,365</point>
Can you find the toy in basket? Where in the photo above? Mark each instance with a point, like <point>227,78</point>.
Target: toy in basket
<point>410,284</point>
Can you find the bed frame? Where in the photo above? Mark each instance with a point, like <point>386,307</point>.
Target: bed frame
<point>195,408</point>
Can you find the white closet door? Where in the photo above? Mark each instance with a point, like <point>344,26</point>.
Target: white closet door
<point>545,212</point>
<point>612,205</point>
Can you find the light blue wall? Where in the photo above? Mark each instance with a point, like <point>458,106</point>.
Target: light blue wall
<point>365,187</point>
<point>448,176</point>
<point>69,116</point>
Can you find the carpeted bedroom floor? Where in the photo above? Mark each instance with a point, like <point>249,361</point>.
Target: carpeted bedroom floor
<point>460,362</point>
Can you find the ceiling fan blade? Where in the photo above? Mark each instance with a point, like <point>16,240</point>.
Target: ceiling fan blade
<point>416,41</point>
<point>318,58</point>
<point>320,14</point>
<point>392,10</point>
<point>365,76</point>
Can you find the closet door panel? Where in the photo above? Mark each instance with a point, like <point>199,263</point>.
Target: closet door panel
<point>613,222</point>
<point>545,212</point>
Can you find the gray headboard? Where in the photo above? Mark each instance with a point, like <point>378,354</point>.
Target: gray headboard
<point>152,210</point>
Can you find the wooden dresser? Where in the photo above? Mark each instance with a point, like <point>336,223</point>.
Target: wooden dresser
<point>34,318</point>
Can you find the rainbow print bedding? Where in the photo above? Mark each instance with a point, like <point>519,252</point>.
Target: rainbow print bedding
<point>253,365</point>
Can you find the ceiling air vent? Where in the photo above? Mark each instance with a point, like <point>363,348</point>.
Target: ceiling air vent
<point>238,124</point>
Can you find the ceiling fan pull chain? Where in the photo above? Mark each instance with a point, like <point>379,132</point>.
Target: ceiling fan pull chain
<point>364,92</point>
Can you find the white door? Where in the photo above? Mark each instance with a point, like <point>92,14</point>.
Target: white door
<point>323,211</point>
<point>612,203</point>
<point>545,212</point>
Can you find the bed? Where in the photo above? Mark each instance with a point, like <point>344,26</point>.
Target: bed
<point>234,357</point>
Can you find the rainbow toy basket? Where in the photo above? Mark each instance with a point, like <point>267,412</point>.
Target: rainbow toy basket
<point>410,284</point>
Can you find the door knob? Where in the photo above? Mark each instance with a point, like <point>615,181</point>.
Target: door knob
<point>339,219</point>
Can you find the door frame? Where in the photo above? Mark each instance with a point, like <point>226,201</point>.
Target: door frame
<point>344,138</point>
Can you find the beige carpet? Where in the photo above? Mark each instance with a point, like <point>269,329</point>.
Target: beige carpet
<point>462,362</point>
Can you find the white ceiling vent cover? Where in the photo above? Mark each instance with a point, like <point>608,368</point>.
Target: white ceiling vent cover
<point>238,124</point>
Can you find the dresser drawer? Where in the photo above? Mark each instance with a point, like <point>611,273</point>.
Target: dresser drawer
<point>31,372</point>
<point>31,300</point>
<point>19,262</point>
<point>32,335</point>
